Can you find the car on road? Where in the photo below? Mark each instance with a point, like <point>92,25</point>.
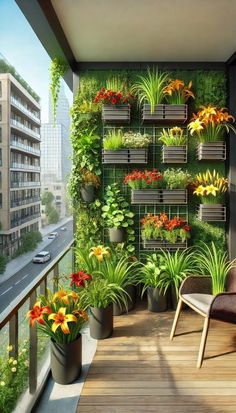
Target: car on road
<point>42,257</point>
<point>63,229</point>
<point>53,235</point>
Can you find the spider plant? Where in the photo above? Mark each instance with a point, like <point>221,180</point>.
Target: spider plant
<point>151,273</point>
<point>122,271</point>
<point>149,88</point>
<point>173,137</point>
<point>114,140</point>
<point>214,262</point>
<point>100,293</point>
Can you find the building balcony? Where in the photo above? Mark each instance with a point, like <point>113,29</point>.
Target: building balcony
<point>26,184</point>
<point>24,201</point>
<point>27,167</point>
<point>20,221</point>
<point>25,129</point>
<point>24,148</point>
<point>24,109</point>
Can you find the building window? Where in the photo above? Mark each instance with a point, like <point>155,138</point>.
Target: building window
<point>0,200</point>
<point>0,157</point>
<point>0,113</point>
<point>0,135</point>
<point>0,89</point>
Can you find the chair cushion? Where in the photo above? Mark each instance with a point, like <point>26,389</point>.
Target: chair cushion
<point>201,301</point>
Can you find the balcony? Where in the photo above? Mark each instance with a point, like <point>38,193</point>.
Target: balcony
<point>25,129</point>
<point>24,109</point>
<point>20,221</point>
<point>24,166</point>
<point>26,184</point>
<point>25,201</point>
<point>25,148</point>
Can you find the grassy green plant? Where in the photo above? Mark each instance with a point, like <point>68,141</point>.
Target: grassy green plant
<point>122,271</point>
<point>100,293</point>
<point>115,83</point>
<point>176,267</point>
<point>57,70</point>
<point>149,88</point>
<point>173,137</point>
<point>113,141</point>
<point>176,178</point>
<point>151,273</point>
<point>214,262</point>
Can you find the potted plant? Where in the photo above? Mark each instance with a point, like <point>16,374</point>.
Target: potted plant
<point>210,187</point>
<point>61,316</point>
<point>149,88</point>
<point>174,149</point>
<point>145,186</point>
<point>213,262</point>
<point>176,182</point>
<point>175,268</point>
<point>89,182</point>
<point>209,124</point>
<point>150,277</point>
<point>137,145</point>
<point>177,94</point>
<point>115,99</point>
<point>116,214</point>
<point>158,231</point>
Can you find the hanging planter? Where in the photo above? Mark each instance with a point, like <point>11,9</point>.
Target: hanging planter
<point>116,114</point>
<point>212,212</point>
<point>174,154</point>
<point>157,300</point>
<point>165,114</point>
<point>146,196</point>
<point>116,235</point>
<point>115,157</point>
<point>138,156</point>
<point>66,361</point>
<point>101,322</point>
<point>212,151</point>
<point>174,196</point>
<point>155,244</point>
<point>88,194</point>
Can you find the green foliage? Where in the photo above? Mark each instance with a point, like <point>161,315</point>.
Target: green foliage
<point>210,88</point>
<point>116,84</point>
<point>3,263</point>
<point>47,198</point>
<point>214,262</point>
<point>113,140</point>
<point>120,271</point>
<point>29,242</point>
<point>13,373</point>
<point>173,137</point>
<point>176,178</point>
<point>57,70</point>
<point>203,231</point>
<point>53,216</point>
<point>151,273</point>
<point>100,294</point>
<point>88,224</point>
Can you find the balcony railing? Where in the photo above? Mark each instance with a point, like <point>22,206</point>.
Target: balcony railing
<point>24,109</point>
<point>25,147</point>
<point>13,324</point>
<point>25,201</point>
<point>25,128</point>
<point>28,167</point>
<point>22,184</point>
<point>20,221</point>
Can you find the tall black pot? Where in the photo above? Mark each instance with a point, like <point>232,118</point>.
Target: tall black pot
<point>119,309</point>
<point>157,301</point>
<point>101,322</point>
<point>66,361</point>
<point>87,193</point>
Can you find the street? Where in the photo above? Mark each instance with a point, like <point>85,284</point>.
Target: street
<point>10,288</point>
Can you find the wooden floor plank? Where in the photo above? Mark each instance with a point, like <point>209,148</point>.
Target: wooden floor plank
<point>138,370</point>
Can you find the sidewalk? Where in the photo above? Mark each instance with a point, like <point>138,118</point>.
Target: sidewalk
<point>18,263</point>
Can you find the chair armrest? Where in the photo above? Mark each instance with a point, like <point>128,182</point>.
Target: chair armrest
<point>223,307</point>
<point>200,284</point>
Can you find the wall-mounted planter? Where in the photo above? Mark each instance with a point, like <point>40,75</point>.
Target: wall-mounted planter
<point>211,151</point>
<point>124,156</point>
<point>155,244</point>
<point>165,114</point>
<point>116,114</point>
<point>211,212</point>
<point>174,154</point>
<point>116,235</point>
<point>87,193</point>
<point>159,196</point>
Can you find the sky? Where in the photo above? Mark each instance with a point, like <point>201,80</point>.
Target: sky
<point>22,49</point>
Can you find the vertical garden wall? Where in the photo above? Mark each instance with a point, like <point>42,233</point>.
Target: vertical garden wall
<point>88,131</point>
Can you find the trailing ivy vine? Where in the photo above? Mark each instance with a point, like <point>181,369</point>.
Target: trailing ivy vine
<point>57,70</point>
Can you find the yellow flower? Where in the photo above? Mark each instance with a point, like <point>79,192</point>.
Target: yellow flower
<point>61,295</point>
<point>11,359</point>
<point>13,369</point>
<point>195,126</point>
<point>9,348</point>
<point>99,252</point>
<point>211,190</point>
<point>61,319</point>
<point>14,362</point>
<point>199,190</point>
<point>2,383</point>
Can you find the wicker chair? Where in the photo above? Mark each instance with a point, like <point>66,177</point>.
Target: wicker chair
<point>195,291</point>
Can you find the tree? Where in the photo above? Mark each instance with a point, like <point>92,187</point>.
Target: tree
<point>53,216</point>
<point>3,263</point>
<point>47,198</point>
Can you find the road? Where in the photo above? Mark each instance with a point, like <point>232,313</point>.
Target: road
<point>10,288</point>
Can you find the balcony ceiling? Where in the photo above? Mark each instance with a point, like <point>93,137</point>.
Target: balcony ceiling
<point>149,30</point>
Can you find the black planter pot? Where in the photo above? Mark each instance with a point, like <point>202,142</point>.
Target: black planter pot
<point>121,309</point>
<point>66,361</point>
<point>87,193</point>
<point>101,322</point>
<point>116,235</point>
<point>157,301</point>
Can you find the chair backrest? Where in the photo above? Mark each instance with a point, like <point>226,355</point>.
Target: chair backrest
<point>231,281</point>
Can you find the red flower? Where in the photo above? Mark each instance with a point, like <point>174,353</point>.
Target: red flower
<point>79,278</point>
<point>36,314</point>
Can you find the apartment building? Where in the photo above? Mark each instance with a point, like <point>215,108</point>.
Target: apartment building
<point>19,163</point>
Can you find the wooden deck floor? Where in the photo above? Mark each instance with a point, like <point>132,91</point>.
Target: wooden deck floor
<point>138,370</point>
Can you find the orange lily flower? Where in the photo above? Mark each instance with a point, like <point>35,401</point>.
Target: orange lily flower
<point>99,252</point>
<point>36,314</point>
<point>61,319</point>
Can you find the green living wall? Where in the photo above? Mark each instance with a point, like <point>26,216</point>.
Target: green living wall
<point>87,132</point>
